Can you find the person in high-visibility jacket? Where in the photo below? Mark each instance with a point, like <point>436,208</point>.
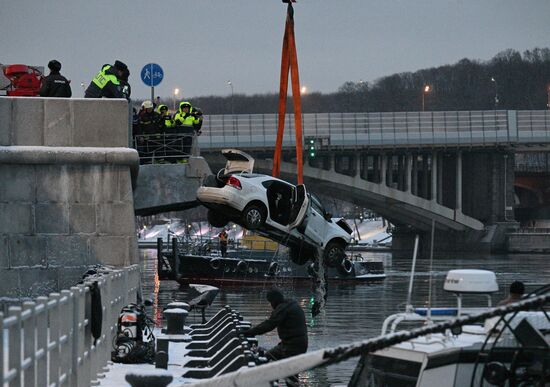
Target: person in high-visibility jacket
<point>107,83</point>
<point>185,124</point>
<point>186,116</point>
<point>165,119</point>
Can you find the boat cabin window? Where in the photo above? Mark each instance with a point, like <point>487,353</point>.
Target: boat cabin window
<point>390,372</point>
<point>279,198</point>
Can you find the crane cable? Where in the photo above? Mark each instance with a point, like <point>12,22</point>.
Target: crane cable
<point>289,62</point>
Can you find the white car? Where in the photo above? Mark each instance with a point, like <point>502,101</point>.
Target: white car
<point>273,208</point>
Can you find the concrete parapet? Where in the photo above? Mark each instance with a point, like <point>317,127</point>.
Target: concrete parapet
<point>69,122</point>
<point>169,187</point>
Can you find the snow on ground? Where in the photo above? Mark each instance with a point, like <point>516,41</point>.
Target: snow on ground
<point>370,231</point>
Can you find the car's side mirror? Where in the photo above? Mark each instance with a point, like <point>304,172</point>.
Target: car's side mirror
<point>328,216</point>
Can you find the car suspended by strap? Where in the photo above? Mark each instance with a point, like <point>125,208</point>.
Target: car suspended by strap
<point>273,208</point>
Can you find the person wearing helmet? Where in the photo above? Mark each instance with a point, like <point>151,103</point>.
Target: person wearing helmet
<point>185,122</point>
<point>185,116</point>
<point>165,119</point>
<point>147,118</point>
<point>107,83</point>
<point>55,84</point>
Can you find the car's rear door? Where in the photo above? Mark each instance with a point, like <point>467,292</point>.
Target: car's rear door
<point>299,206</point>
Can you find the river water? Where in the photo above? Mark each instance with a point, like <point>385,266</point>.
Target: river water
<point>355,311</point>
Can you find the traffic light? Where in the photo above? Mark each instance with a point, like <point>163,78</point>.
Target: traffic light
<point>311,146</point>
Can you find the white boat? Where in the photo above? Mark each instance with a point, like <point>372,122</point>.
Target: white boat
<point>498,352</point>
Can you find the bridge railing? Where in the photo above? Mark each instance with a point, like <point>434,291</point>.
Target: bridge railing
<point>378,129</point>
<point>165,146</point>
<point>48,341</point>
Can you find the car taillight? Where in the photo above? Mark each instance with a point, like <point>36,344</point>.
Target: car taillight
<point>234,182</point>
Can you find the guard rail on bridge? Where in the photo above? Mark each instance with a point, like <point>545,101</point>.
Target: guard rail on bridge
<point>351,130</point>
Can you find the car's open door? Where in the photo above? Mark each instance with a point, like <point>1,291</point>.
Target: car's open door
<point>299,207</point>
<point>237,161</point>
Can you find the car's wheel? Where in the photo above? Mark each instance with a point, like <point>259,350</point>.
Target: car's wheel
<point>300,256</point>
<point>334,254</point>
<point>216,219</point>
<point>253,216</point>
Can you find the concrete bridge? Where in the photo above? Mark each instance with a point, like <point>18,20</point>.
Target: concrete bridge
<point>456,168</point>
<point>521,129</point>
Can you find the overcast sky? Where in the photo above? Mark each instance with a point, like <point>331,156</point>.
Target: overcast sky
<point>202,44</point>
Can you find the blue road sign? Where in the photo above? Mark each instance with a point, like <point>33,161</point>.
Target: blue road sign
<point>152,74</point>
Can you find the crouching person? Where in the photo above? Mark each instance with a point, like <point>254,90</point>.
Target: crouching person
<point>290,321</point>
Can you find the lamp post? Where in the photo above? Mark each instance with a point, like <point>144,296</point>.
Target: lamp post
<point>496,92</point>
<point>83,88</point>
<point>231,86</point>
<point>548,96</point>
<point>425,91</point>
<point>176,92</point>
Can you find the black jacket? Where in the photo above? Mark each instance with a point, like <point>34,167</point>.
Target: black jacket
<point>55,85</point>
<point>290,321</point>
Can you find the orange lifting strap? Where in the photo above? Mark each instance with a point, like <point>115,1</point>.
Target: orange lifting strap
<point>289,61</point>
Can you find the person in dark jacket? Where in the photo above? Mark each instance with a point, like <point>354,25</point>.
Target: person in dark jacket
<point>125,86</point>
<point>290,321</point>
<point>55,84</point>
<point>107,83</point>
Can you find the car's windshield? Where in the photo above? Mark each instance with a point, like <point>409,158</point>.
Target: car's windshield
<point>316,204</point>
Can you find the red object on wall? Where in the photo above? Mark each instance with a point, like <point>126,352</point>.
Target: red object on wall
<point>25,80</point>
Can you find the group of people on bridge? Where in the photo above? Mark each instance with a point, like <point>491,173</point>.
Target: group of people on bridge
<point>155,118</point>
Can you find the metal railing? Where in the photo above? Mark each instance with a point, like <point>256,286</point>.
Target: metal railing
<point>48,342</point>
<point>456,128</point>
<point>165,147</point>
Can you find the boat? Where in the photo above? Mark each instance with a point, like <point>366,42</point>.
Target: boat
<point>509,350</point>
<point>248,264</point>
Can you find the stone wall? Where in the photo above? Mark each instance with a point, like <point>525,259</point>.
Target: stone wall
<point>66,198</point>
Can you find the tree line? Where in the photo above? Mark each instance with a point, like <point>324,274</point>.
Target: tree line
<point>517,81</point>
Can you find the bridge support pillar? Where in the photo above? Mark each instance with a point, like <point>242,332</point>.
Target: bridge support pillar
<point>408,173</point>
<point>414,182</point>
<point>458,201</point>
<point>434,177</point>
<point>384,170</point>
<point>439,178</point>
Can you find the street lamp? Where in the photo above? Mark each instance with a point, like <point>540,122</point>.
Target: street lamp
<point>83,88</point>
<point>176,92</point>
<point>548,96</point>
<point>232,107</point>
<point>425,91</point>
<point>303,90</point>
<point>231,85</point>
<point>496,92</point>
